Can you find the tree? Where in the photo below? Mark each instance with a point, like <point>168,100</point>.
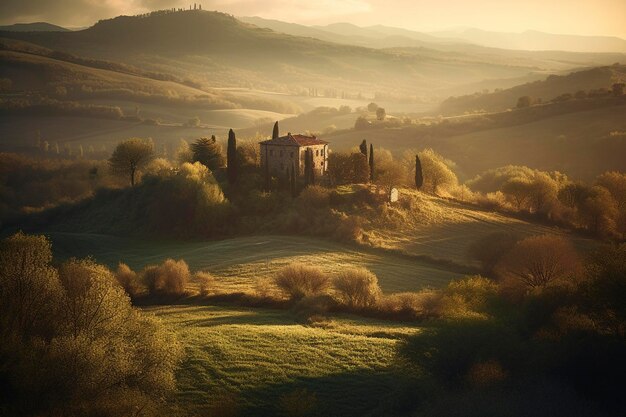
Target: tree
<point>360,168</point>
<point>371,162</point>
<point>340,168</point>
<point>131,156</point>
<point>275,133</point>
<point>519,191</point>
<point>618,89</point>
<point>231,156</point>
<point>599,210</point>
<point>183,153</point>
<point>28,285</point>
<point>363,147</point>
<point>361,123</point>
<point>344,168</point>
<point>615,183</point>
<point>372,107</point>
<point>309,169</point>
<point>292,181</point>
<point>543,191</point>
<point>88,351</point>
<point>208,152</point>
<point>523,102</point>
<point>541,260</point>
<point>381,113</point>
<point>436,171</point>
<point>391,176</point>
<point>419,176</point>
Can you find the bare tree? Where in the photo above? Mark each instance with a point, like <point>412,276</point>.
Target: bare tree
<point>541,260</point>
<point>130,156</point>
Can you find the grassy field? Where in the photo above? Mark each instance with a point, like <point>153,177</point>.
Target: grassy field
<point>259,358</point>
<point>238,263</point>
<point>446,229</point>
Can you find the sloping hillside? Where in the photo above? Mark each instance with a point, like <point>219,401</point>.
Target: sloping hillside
<point>581,144</point>
<point>548,89</point>
<point>33,27</point>
<point>223,51</point>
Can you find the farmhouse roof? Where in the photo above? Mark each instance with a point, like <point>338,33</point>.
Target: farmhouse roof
<point>294,140</point>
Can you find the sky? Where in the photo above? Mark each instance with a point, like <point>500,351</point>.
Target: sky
<point>577,17</point>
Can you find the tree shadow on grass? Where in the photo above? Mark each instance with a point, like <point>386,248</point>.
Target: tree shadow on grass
<point>367,392</point>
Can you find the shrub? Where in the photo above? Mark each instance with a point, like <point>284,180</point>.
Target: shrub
<point>206,282</point>
<point>541,260</point>
<point>299,281</point>
<point>169,278</point>
<point>128,279</point>
<point>316,305</point>
<point>469,297</point>
<point>412,305</point>
<point>357,288</point>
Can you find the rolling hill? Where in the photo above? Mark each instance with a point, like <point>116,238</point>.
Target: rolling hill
<point>545,90</point>
<point>33,27</point>
<point>582,143</point>
<point>219,50</point>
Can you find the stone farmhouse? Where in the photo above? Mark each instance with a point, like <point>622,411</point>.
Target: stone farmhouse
<point>281,152</point>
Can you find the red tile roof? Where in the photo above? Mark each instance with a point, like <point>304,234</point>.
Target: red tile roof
<point>294,140</point>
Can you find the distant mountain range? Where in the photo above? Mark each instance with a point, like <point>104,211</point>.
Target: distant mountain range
<point>33,27</point>
<point>335,61</point>
<point>532,40</point>
<point>380,36</point>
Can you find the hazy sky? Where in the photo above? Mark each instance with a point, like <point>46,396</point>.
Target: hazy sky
<point>587,17</point>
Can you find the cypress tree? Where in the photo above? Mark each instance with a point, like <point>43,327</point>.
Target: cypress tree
<point>419,176</point>
<point>293,180</point>
<point>231,158</point>
<point>266,173</point>
<point>363,147</point>
<point>311,168</point>
<point>275,131</point>
<point>309,175</point>
<point>372,177</point>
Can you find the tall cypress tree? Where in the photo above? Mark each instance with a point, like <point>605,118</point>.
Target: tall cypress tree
<point>292,179</point>
<point>419,176</point>
<point>275,131</point>
<point>372,177</point>
<point>306,168</point>
<point>231,158</point>
<point>311,168</point>
<point>266,173</point>
<point>309,175</point>
<point>363,147</point>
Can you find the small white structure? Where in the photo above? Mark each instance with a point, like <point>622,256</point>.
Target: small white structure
<point>393,196</point>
